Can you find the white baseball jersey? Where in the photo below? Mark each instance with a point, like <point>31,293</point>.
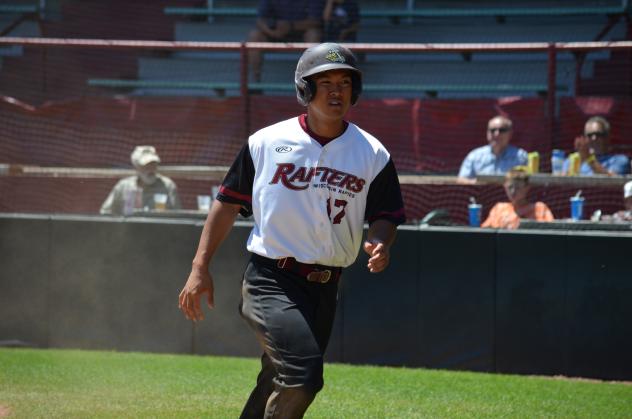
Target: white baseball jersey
<point>309,201</point>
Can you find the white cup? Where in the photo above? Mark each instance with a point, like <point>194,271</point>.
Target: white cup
<point>160,201</point>
<point>204,202</point>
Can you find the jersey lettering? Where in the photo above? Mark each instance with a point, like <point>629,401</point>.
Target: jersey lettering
<point>359,184</point>
<point>282,172</point>
<point>310,174</point>
<point>325,171</point>
<point>298,176</point>
<point>347,182</point>
<point>338,203</point>
<point>335,178</point>
<point>298,179</point>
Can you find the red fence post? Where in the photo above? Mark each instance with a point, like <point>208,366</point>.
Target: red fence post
<point>550,97</point>
<point>245,96</point>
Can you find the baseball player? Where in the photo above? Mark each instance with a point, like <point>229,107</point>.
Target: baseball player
<point>310,183</point>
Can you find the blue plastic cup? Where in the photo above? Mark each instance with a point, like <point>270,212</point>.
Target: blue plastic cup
<point>577,208</point>
<point>475,214</point>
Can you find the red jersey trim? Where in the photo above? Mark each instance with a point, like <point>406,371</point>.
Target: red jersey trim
<point>302,120</point>
<point>229,192</point>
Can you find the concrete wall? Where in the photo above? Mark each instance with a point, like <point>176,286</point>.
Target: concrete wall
<point>515,302</point>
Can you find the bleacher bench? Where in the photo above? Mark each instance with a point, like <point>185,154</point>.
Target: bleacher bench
<point>163,84</point>
<point>19,8</point>
<point>429,89</point>
<point>218,87</point>
<point>423,12</point>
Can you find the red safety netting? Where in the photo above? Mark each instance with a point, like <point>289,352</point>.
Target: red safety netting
<point>428,136</point>
<point>54,113</point>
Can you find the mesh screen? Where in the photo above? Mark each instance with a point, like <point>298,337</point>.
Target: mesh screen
<point>70,107</point>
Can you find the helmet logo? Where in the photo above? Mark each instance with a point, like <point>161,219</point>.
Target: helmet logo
<point>334,56</point>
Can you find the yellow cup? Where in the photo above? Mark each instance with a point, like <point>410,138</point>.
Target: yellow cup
<point>533,162</point>
<point>574,163</point>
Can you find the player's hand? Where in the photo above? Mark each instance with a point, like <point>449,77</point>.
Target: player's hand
<point>198,284</point>
<point>379,255</point>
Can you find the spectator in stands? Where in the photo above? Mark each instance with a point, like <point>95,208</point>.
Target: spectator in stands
<point>341,19</point>
<point>285,21</point>
<point>508,214</point>
<point>626,213</point>
<point>138,191</point>
<point>495,158</point>
<point>593,151</point>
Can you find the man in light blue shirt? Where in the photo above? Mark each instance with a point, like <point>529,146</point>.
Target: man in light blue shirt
<point>592,147</point>
<point>497,157</point>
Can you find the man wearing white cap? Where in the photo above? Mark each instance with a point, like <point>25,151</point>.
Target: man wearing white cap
<point>626,214</point>
<point>627,195</point>
<point>143,190</point>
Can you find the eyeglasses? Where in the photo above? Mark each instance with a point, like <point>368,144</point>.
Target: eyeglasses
<point>600,134</point>
<point>500,130</point>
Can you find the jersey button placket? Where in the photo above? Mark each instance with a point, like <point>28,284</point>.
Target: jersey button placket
<point>325,196</point>
<point>324,191</point>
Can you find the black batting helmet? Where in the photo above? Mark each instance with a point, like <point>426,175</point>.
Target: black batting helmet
<point>320,58</point>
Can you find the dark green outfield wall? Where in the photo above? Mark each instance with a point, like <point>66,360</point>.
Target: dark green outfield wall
<point>513,302</point>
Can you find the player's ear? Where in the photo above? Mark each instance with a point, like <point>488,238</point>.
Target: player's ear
<point>305,89</point>
<point>310,89</point>
<point>356,87</point>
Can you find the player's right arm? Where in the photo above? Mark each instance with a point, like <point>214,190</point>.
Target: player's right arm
<point>235,195</point>
<point>218,224</point>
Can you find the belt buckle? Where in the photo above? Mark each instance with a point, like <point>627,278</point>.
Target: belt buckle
<point>319,276</point>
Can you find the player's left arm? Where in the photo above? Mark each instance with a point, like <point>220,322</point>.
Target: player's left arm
<point>380,237</point>
<point>384,212</point>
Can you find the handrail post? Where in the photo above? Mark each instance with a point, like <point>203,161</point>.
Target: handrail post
<point>628,25</point>
<point>243,88</point>
<point>550,97</point>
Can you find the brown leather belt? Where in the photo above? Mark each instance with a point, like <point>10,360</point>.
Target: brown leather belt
<point>311,272</point>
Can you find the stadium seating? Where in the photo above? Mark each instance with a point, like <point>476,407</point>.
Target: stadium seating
<point>442,75</point>
<point>383,78</point>
<point>402,9</point>
<point>19,7</point>
<point>14,22</point>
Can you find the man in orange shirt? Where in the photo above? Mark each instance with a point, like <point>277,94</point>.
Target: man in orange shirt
<point>508,214</point>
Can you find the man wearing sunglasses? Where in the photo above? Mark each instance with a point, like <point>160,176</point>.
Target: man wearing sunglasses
<point>497,157</point>
<point>592,148</point>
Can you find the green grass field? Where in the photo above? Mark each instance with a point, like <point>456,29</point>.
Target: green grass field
<point>82,384</point>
